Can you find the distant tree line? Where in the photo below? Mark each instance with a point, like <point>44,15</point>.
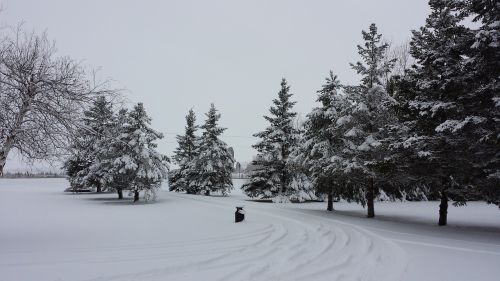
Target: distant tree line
<point>26,174</point>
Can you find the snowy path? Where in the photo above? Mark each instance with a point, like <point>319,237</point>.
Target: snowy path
<point>467,249</point>
<point>48,235</point>
<point>286,245</point>
<point>297,246</point>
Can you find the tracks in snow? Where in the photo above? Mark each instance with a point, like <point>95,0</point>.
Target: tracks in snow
<point>290,245</point>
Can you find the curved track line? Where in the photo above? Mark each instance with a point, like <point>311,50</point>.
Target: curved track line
<point>295,246</point>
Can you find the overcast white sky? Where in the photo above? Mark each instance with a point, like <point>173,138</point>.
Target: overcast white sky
<point>174,55</point>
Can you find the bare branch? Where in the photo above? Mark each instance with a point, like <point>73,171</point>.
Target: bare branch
<point>42,96</point>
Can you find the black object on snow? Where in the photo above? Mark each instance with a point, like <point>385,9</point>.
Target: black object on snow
<point>239,215</point>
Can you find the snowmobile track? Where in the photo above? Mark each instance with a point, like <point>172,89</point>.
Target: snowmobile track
<point>314,247</point>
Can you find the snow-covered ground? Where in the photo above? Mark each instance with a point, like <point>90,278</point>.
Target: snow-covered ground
<point>46,234</point>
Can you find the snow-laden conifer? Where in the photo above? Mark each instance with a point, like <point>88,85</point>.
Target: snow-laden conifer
<point>274,176</point>
<point>139,161</point>
<point>107,150</point>
<point>321,148</point>
<point>214,163</point>
<point>95,126</point>
<point>434,100</point>
<point>480,120</point>
<point>370,119</point>
<point>184,155</point>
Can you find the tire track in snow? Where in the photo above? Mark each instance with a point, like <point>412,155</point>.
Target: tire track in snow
<point>128,247</point>
<point>434,245</point>
<point>379,252</point>
<point>301,246</point>
<point>178,269</point>
<point>373,252</point>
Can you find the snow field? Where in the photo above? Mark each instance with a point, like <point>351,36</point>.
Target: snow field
<point>46,234</point>
<point>304,247</point>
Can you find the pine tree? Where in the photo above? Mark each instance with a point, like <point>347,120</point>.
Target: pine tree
<point>74,164</point>
<point>370,119</point>
<point>480,120</point>
<point>99,120</point>
<point>432,97</point>
<point>321,150</point>
<point>300,188</point>
<point>138,161</point>
<point>96,124</point>
<point>179,179</point>
<point>213,163</point>
<point>107,150</point>
<point>272,177</point>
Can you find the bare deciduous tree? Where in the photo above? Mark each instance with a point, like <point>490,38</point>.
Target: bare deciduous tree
<point>404,60</point>
<point>401,57</point>
<point>41,96</point>
<point>400,54</point>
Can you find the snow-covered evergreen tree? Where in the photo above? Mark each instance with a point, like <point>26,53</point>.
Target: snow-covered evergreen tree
<point>96,123</point>
<point>214,162</point>
<point>370,119</point>
<point>135,155</point>
<point>106,150</point>
<point>72,165</point>
<point>300,188</point>
<point>432,97</point>
<point>272,177</point>
<point>99,121</point>
<point>321,149</point>
<point>184,155</point>
<point>480,118</point>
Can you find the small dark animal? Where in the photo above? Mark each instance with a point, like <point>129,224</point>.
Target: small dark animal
<point>239,215</point>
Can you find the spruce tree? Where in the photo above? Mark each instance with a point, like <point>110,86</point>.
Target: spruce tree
<point>273,177</point>
<point>321,150</point>
<point>107,150</point>
<point>480,118</point>
<point>138,161</point>
<point>73,165</point>
<point>99,120</point>
<point>300,188</point>
<point>184,155</point>
<point>96,123</point>
<point>213,162</point>
<point>432,97</point>
<point>370,119</point>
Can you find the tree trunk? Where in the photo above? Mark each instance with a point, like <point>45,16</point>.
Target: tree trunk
<point>3,160</point>
<point>330,201</point>
<point>120,193</point>
<point>4,152</point>
<point>369,199</point>
<point>12,135</point>
<point>136,195</point>
<point>207,193</point>
<point>98,188</point>
<point>443,208</point>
